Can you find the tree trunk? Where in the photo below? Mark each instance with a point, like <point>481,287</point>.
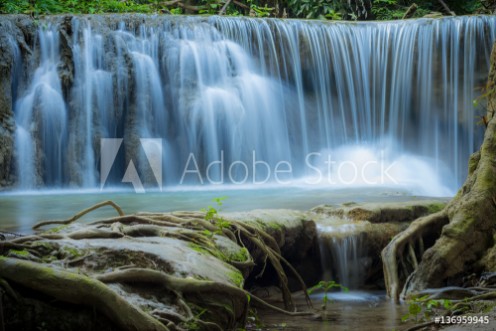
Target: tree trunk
<point>466,243</point>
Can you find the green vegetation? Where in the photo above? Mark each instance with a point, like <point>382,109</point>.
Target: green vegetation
<point>19,253</point>
<point>320,9</point>
<point>422,309</point>
<point>72,252</point>
<point>237,278</point>
<point>396,9</point>
<point>310,9</point>
<point>326,286</point>
<point>241,255</point>
<point>212,215</point>
<point>38,7</point>
<point>435,207</point>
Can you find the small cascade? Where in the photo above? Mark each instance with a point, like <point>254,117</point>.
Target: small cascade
<point>344,254</point>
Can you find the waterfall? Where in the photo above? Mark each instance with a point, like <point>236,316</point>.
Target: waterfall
<point>41,119</point>
<point>251,101</point>
<point>343,254</point>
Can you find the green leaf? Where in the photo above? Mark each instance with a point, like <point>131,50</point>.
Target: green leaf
<point>414,309</point>
<point>447,304</point>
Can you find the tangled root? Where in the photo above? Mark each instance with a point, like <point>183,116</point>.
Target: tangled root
<point>93,290</point>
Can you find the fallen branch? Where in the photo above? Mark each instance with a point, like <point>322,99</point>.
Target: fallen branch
<point>240,4</point>
<point>223,9</point>
<point>445,6</point>
<point>410,11</point>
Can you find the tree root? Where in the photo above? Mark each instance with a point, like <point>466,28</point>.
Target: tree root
<point>394,250</point>
<point>186,285</point>
<point>183,285</point>
<point>192,220</point>
<point>187,226</point>
<point>74,288</point>
<point>420,326</point>
<point>8,289</point>
<point>81,214</point>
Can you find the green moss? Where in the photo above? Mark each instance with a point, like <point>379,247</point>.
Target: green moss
<point>57,229</point>
<point>435,207</point>
<point>73,252</point>
<point>269,225</point>
<point>240,255</point>
<point>236,278</point>
<point>48,258</point>
<point>198,248</point>
<point>275,226</point>
<point>488,307</point>
<point>22,253</point>
<point>212,252</point>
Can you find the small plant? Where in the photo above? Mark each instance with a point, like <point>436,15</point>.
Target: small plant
<point>422,309</point>
<point>326,286</point>
<point>212,215</point>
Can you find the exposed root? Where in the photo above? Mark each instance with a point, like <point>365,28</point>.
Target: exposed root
<point>81,214</point>
<point>392,255</point>
<point>183,285</point>
<point>5,285</point>
<point>282,311</point>
<point>420,326</point>
<point>74,288</point>
<point>186,285</point>
<point>188,226</point>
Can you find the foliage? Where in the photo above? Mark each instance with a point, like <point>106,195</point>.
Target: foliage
<point>259,10</point>
<point>319,9</point>
<point>38,7</point>
<point>422,309</point>
<point>310,9</point>
<point>210,7</point>
<point>395,9</point>
<point>326,286</point>
<point>212,215</point>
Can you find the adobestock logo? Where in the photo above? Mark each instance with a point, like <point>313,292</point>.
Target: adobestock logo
<point>356,169</point>
<point>152,148</point>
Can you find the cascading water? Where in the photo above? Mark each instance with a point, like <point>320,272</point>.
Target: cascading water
<point>226,93</point>
<point>343,254</point>
<point>41,119</point>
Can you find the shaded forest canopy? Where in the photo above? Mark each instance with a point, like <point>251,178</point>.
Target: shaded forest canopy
<point>311,9</point>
